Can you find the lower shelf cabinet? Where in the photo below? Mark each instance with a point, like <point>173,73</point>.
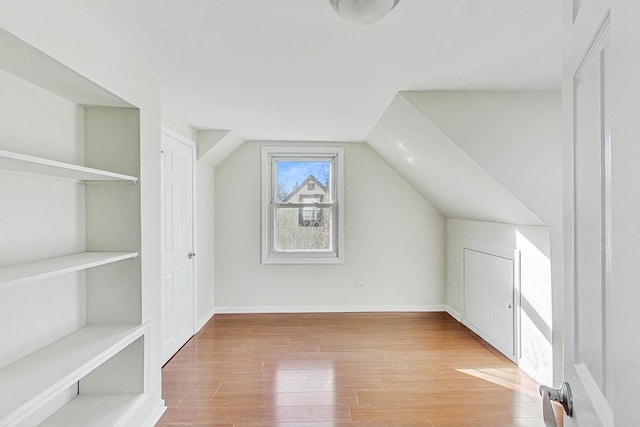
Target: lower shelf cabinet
<point>33,381</point>
<point>93,411</point>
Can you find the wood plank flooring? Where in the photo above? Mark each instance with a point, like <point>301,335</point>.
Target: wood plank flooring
<point>345,369</point>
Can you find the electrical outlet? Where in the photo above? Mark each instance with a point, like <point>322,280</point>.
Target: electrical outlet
<point>359,285</point>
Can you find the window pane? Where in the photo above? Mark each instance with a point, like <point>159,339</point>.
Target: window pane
<point>303,181</point>
<point>303,229</point>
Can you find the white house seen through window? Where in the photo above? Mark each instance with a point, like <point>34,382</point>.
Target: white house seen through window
<point>301,205</point>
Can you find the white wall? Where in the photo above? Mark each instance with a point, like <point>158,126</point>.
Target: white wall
<point>516,136</point>
<point>205,243</point>
<point>394,244</point>
<point>177,124</point>
<point>60,31</point>
<point>536,355</point>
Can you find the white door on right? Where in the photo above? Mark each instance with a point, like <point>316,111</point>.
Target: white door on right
<point>587,305</point>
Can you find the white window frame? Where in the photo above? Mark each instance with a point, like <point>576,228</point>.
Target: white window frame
<point>269,254</point>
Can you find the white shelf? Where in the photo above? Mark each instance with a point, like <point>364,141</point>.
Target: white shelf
<point>22,273</point>
<point>92,411</point>
<point>35,165</point>
<point>32,381</point>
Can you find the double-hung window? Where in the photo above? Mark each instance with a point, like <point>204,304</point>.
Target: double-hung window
<point>302,205</point>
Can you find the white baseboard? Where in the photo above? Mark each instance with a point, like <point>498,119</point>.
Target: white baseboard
<point>200,324</point>
<point>454,313</point>
<point>331,309</point>
<point>155,415</point>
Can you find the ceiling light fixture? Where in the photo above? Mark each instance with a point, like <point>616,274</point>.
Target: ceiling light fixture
<point>363,12</point>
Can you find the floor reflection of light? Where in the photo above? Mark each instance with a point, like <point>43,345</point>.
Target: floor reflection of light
<point>510,378</point>
<point>304,394</point>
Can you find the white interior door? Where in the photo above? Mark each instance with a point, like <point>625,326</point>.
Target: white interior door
<point>489,299</point>
<point>623,103</point>
<point>177,285</point>
<point>587,344</point>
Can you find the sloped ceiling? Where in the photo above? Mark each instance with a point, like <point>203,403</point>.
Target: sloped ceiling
<point>516,136</point>
<point>440,170</point>
<point>293,70</point>
<point>215,145</point>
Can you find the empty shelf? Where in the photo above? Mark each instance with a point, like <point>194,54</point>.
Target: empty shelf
<point>43,269</point>
<point>36,165</point>
<point>92,410</point>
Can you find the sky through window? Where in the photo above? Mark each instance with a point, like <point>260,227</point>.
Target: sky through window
<point>292,173</point>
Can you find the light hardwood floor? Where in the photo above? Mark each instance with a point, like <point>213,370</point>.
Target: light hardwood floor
<point>344,369</point>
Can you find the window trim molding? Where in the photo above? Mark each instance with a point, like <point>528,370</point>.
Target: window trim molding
<point>268,255</point>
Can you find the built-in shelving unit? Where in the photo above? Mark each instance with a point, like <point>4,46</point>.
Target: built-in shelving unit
<point>73,333</point>
<point>42,269</point>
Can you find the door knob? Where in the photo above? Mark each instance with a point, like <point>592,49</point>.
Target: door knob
<point>561,395</point>
<point>191,254</point>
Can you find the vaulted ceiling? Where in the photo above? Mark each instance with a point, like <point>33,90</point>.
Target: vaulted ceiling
<point>294,70</point>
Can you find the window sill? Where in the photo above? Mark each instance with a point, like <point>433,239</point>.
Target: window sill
<point>299,260</point>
